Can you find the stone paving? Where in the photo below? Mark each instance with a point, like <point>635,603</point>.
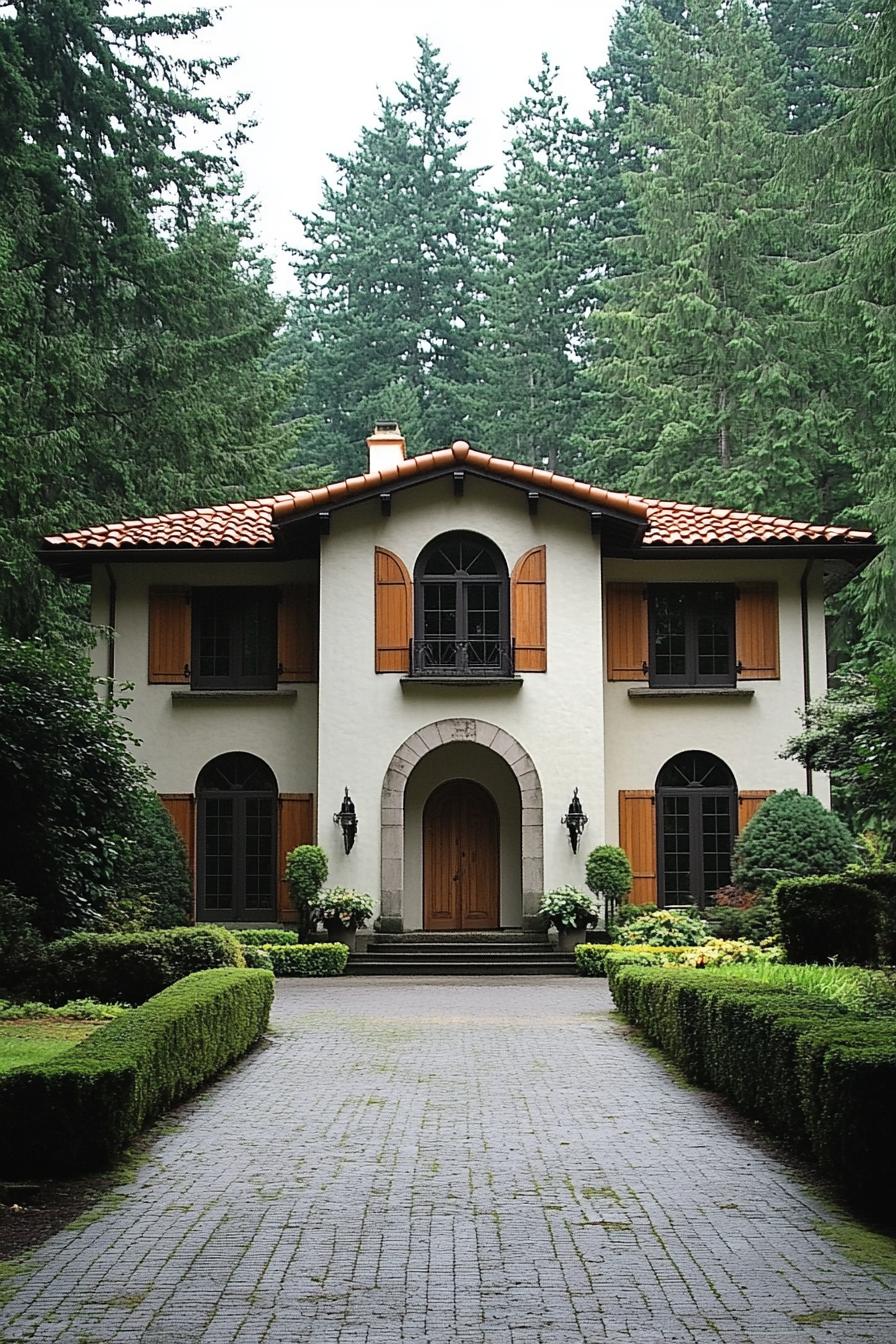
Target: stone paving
<point>429,1161</point>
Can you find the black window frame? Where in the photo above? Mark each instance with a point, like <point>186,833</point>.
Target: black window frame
<point>495,658</point>
<point>237,603</point>
<point>695,606</point>
<point>694,793</point>
<point>238,909</point>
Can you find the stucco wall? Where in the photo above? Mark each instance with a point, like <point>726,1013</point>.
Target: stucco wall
<point>177,737</point>
<point>556,716</point>
<point>642,734</point>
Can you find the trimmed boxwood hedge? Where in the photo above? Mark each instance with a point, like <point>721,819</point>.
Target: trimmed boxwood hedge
<point>591,958</point>
<point>308,959</point>
<point>131,967</point>
<point>265,937</point>
<point>826,917</point>
<point>77,1111</point>
<point>812,1072</point>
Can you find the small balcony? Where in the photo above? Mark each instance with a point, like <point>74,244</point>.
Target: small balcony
<point>443,658</point>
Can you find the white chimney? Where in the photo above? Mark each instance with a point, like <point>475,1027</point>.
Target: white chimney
<point>386,446</point>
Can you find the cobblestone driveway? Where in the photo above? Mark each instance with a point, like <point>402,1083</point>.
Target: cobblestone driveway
<point>482,1161</point>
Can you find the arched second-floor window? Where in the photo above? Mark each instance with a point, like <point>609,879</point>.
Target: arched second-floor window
<point>696,821</point>
<point>461,616</point>
<point>237,839</point>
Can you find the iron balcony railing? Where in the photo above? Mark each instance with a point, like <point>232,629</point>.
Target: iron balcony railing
<point>444,656</point>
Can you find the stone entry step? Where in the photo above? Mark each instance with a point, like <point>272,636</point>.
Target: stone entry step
<point>463,953</point>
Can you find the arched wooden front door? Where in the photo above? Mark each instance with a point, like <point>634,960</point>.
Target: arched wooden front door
<point>461,869</point>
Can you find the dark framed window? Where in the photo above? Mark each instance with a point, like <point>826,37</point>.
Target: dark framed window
<point>696,824</point>
<point>462,622</point>
<point>237,832</point>
<point>234,639</point>
<point>691,634</point>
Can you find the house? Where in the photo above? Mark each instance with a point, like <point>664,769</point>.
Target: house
<point>463,650</point>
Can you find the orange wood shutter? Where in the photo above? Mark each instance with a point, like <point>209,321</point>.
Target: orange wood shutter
<point>296,828</point>
<point>169,635</point>
<point>748,804</point>
<point>637,836</point>
<point>756,619</point>
<point>297,637</point>
<point>393,612</point>
<point>181,808</point>
<point>625,616</point>
<point>529,611</point>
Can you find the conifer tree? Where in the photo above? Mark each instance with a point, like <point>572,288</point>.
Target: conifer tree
<point>390,273</point>
<point>704,379</point>
<point>534,309</point>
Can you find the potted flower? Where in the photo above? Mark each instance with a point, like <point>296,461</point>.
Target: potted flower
<point>343,912</point>
<point>572,912</point>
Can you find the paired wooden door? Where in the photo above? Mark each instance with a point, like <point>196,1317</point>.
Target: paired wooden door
<point>461,867</point>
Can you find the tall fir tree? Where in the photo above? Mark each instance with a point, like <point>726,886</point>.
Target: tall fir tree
<point>133,321</point>
<point>705,381</point>
<point>390,273</point>
<point>535,305</point>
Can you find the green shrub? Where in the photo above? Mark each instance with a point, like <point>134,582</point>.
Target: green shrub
<point>85,1010</point>
<point>265,937</point>
<point>153,889</point>
<point>664,928</point>
<point>309,959</point>
<point>627,912</point>
<point>828,917</point>
<point>306,873</point>
<point>259,957</point>
<point>882,881</point>
<point>131,967</point>
<point>820,1076</point>
<point>864,992</point>
<point>591,960</point>
<point>791,835</point>
<point>608,874</point>
<point>569,908</point>
<point>21,946</point>
<point>77,1111</point>
<point>756,922</point>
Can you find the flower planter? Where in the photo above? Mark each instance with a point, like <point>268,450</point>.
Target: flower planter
<point>338,933</point>
<point>569,938</point>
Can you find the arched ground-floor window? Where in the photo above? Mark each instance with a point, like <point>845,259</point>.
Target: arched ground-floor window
<point>237,839</point>
<point>696,825</point>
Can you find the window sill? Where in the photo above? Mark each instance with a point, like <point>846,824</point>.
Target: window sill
<point>181,696</point>
<point>514,682</point>
<point>689,692</point>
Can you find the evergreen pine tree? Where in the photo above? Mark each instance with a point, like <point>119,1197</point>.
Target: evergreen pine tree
<point>390,271</point>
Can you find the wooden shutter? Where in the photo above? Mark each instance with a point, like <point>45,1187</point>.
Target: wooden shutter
<point>625,617</point>
<point>393,613</point>
<point>756,623</point>
<point>297,632</point>
<point>529,611</point>
<point>637,836</point>
<point>169,635</point>
<point>296,828</point>
<point>749,803</point>
<point>181,808</point>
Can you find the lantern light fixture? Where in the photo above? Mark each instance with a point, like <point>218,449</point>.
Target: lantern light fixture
<point>347,818</point>
<point>575,820</point>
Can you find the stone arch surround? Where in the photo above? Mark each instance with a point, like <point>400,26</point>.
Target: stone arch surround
<point>408,755</point>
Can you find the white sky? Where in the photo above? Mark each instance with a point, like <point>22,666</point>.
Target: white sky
<point>314,71</point>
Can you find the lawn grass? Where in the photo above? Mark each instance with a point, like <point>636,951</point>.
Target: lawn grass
<point>35,1041</point>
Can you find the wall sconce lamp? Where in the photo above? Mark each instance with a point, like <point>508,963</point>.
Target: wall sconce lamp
<point>347,818</point>
<point>575,820</point>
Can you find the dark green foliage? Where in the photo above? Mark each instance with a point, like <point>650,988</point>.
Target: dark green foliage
<point>153,888</point>
<point>851,734</point>
<point>135,321</point>
<point>308,958</point>
<point>791,835</point>
<point>265,937</point>
<point>21,946</point>
<point>758,922</point>
<point>881,881</point>
<point>306,873</point>
<point>823,1078</point>
<point>131,967</point>
<point>257,957</point>
<point>390,277</point>
<point>608,873</point>
<point>826,918</point>
<point>77,1112</point>
<point>70,788</point>
<point>627,912</point>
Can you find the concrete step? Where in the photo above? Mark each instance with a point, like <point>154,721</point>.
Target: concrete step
<point>477,951</point>
<point>369,964</point>
<point>495,937</point>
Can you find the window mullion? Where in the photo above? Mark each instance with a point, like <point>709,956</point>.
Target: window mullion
<point>239,856</point>
<point>695,870</point>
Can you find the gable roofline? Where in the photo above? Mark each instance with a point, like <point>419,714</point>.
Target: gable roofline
<point>268,528</point>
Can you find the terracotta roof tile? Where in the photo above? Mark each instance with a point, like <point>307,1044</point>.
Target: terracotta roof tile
<point>249,524</point>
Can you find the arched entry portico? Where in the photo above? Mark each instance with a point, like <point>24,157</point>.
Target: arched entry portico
<point>406,758</point>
